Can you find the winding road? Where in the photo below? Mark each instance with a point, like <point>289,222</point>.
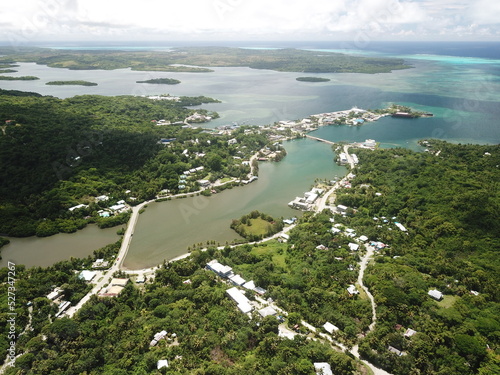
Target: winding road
<point>320,205</point>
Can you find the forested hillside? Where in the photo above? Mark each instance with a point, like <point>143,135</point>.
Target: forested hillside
<point>449,202</point>
<point>58,153</point>
<point>191,59</point>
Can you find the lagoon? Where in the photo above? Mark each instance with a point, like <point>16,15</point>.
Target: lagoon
<point>44,252</point>
<point>166,229</point>
<point>462,93</point>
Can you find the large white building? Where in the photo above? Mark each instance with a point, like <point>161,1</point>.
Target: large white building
<point>240,299</point>
<point>219,269</point>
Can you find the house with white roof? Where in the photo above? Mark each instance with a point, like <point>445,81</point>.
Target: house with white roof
<point>237,280</point>
<point>161,363</point>
<point>77,207</point>
<point>240,299</point>
<point>353,246</point>
<point>87,275</point>
<point>401,227</point>
<point>267,311</point>
<point>436,294</point>
<point>219,269</point>
<point>341,208</point>
<point>322,368</point>
<point>330,328</point>
<point>352,289</point>
<point>409,332</point>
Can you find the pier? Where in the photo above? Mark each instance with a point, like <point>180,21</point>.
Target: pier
<point>320,139</point>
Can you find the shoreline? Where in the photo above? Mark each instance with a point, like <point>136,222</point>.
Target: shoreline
<point>319,206</point>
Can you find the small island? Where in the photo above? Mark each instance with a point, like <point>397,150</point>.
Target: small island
<point>164,81</point>
<point>406,112</point>
<point>22,78</point>
<point>71,83</point>
<point>312,79</point>
<point>255,226</point>
<point>2,71</point>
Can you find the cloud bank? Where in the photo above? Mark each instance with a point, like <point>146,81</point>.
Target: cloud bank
<point>26,20</point>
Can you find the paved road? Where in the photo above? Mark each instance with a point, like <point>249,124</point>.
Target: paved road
<point>127,237</point>
<point>350,160</point>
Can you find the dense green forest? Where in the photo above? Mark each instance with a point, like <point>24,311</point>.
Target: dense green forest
<point>449,201</point>
<point>59,153</point>
<point>288,60</point>
<point>207,334</point>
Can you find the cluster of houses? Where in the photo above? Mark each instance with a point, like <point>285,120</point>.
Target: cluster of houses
<point>183,178</point>
<point>266,154</point>
<point>343,158</point>
<point>306,203</point>
<point>198,117</point>
<point>56,298</point>
<point>385,220</point>
<point>193,170</point>
<point>158,336</point>
<point>353,116</point>
<point>408,334</point>
<point>243,303</point>
<point>119,207</point>
<point>304,125</point>
<point>164,97</point>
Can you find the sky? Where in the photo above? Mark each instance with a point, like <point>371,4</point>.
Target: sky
<point>25,21</point>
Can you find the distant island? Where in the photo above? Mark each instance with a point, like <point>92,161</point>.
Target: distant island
<point>197,59</point>
<point>163,81</point>
<point>7,71</point>
<point>22,78</point>
<point>312,79</point>
<point>71,83</point>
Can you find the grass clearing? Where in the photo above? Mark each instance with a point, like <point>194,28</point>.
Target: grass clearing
<point>275,249</point>
<point>447,301</point>
<point>257,227</point>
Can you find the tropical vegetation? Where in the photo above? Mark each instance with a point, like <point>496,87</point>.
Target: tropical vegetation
<point>71,83</point>
<point>191,58</point>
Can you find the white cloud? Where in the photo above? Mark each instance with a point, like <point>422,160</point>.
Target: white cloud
<point>245,19</point>
<point>485,12</point>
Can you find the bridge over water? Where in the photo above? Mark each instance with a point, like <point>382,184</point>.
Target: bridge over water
<point>320,139</point>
